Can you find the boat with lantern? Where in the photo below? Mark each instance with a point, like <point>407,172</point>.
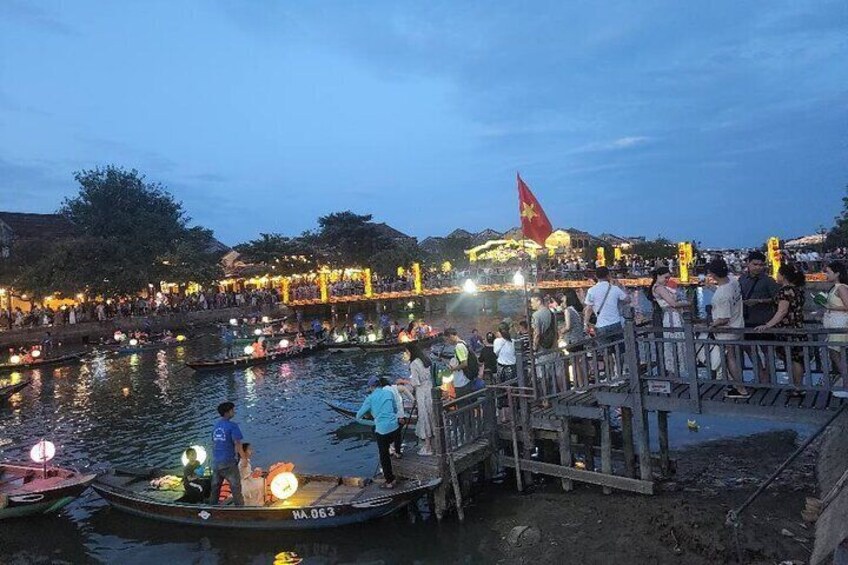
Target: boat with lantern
<point>248,339</point>
<point>134,345</point>
<point>8,390</point>
<point>377,346</point>
<point>18,363</point>
<point>300,502</point>
<point>280,354</point>
<point>27,489</point>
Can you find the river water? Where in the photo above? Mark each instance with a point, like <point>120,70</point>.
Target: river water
<point>145,409</point>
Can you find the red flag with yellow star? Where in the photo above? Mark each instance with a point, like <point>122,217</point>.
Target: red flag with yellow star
<point>534,223</point>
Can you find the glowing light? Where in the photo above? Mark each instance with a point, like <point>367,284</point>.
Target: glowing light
<point>265,319</point>
<point>125,391</point>
<point>119,336</point>
<point>133,342</point>
<point>372,337</point>
<point>284,343</point>
<point>181,337</point>
<point>410,304</point>
<point>233,322</point>
<point>201,455</point>
<point>15,359</point>
<point>36,353</point>
<point>257,332</point>
<point>43,451</point>
<point>339,339</point>
<point>469,286</point>
<point>248,350</point>
<point>284,485</point>
<point>518,279</point>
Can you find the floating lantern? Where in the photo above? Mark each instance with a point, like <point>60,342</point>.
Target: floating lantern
<point>410,304</point>
<point>562,344</point>
<point>181,337</point>
<point>36,353</point>
<point>119,336</point>
<point>15,359</point>
<point>233,322</point>
<point>43,451</point>
<point>248,350</point>
<point>469,286</point>
<point>201,455</point>
<point>257,332</point>
<point>339,339</point>
<point>372,337</point>
<point>284,485</point>
<point>284,343</point>
<point>518,279</point>
<point>133,342</point>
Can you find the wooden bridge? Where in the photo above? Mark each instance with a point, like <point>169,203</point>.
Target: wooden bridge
<point>553,427</point>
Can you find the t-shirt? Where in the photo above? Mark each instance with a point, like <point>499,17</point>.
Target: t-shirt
<point>727,304</point>
<point>758,288</point>
<point>383,408</point>
<point>461,354</point>
<point>224,436</point>
<point>542,319</point>
<point>610,313</point>
<point>505,350</point>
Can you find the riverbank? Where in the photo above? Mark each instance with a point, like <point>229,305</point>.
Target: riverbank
<point>684,523</point>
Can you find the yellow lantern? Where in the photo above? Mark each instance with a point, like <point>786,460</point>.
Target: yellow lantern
<point>617,253</point>
<point>181,338</point>
<point>401,271</point>
<point>601,257</point>
<point>416,275</point>
<point>774,256</point>
<point>284,485</point>
<point>446,267</point>
<point>366,278</point>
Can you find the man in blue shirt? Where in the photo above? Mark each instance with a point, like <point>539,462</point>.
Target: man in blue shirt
<point>226,451</point>
<point>384,411</point>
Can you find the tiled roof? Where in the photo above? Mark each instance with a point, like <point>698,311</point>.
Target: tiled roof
<point>38,226</point>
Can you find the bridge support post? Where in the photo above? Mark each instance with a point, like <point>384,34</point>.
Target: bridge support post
<point>631,355</point>
<point>606,448</point>
<point>662,426</point>
<point>691,362</point>
<point>565,450</point>
<point>627,440</point>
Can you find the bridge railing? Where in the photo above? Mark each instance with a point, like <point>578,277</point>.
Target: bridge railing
<point>464,421</point>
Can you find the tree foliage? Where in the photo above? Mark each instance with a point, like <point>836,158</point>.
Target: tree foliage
<point>131,233</point>
<point>838,234</point>
<point>659,248</point>
<point>351,239</point>
<point>284,255</point>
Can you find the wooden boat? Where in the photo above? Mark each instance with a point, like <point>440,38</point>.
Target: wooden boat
<point>349,409</point>
<point>8,390</point>
<point>68,359</point>
<point>250,361</point>
<point>320,502</point>
<point>126,349</point>
<point>24,491</point>
<point>248,339</point>
<point>378,346</point>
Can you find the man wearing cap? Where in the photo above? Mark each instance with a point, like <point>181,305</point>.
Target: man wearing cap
<point>383,408</point>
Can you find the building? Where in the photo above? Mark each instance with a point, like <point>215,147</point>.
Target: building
<point>19,228</point>
<point>395,235</point>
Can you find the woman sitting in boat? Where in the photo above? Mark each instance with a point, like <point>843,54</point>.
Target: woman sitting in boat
<point>258,349</point>
<point>196,486</point>
<point>383,409</point>
<point>408,334</point>
<point>300,341</point>
<point>252,483</point>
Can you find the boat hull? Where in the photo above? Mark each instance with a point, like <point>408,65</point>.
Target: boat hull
<point>242,362</point>
<point>22,502</point>
<point>9,390</point>
<point>377,347</point>
<point>54,362</point>
<point>260,518</point>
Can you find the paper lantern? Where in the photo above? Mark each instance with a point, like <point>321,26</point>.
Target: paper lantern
<point>43,451</point>
<point>201,455</point>
<point>284,343</point>
<point>233,322</point>
<point>265,319</point>
<point>15,359</point>
<point>257,332</point>
<point>339,339</point>
<point>181,337</point>
<point>36,353</point>
<point>248,350</point>
<point>284,485</point>
<point>133,342</point>
<point>372,337</point>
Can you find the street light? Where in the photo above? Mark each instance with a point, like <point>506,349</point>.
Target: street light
<point>518,279</point>
<point>469,286</point>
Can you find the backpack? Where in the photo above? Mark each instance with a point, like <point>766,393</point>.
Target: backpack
<point>473,368</point>
<point>548,338</point>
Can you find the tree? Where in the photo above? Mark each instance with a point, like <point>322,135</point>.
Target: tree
<point>193,258</point>
<point>838,234</point>
<point>284,255</point>
<point>351,239</point>
<point>387,261</point>
<point>660,248</point>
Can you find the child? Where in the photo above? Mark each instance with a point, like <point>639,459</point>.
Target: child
<point>252,483</point>
<point>196,486</point>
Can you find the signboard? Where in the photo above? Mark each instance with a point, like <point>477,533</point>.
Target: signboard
<point>659,387</point>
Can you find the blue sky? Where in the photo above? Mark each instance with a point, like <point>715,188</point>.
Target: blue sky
<point>723,122</point>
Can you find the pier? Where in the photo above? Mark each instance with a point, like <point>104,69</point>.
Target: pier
<point>553,428</point>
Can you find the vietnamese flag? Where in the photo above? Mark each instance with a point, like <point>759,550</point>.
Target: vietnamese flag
<point>534,223</point>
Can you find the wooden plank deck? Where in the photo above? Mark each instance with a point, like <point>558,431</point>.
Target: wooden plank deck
<point>414,466</point>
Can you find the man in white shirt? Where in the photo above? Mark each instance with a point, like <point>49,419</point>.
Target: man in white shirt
<point>727,313</point>
<point>604,300</point>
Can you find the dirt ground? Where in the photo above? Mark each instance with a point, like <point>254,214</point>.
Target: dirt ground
<point>685,523</point>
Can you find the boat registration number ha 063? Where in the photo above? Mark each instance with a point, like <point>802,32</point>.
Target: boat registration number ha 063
<point>314,513</point>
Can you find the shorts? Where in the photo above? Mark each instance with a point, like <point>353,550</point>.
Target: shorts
<point>608,334</point>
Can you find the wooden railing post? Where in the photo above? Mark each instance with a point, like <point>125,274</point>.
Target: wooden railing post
<point>641,418</point>
<point>521,367</point>
<point>440,446</point>
<point>691,362</point>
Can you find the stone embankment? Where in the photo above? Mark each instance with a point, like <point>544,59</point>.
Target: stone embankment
<point>832,524</point>
<point>91,332</point>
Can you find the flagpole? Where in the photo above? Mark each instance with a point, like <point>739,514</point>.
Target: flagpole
<point>525,259</point>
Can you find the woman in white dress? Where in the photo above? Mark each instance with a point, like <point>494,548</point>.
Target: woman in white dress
<point>836,317</point>
<point>422,382</point>
<point>666,299</point>
<point>252,483</point>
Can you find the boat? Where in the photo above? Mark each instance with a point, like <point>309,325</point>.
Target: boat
<point>320,501</point>
<point>127,349</point>
<point>10,389</point>
<point>248,339</point>
<point>349,409</point>
<point>250,361</point>
<point>68,359</point>
<point>378,346</point>
<point>26,491</point>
